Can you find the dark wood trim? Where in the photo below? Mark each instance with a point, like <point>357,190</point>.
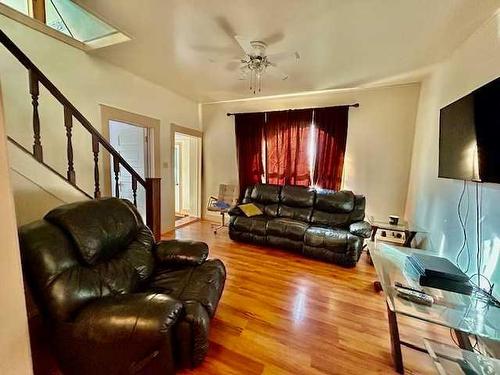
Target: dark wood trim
<point>153,205</point>
<point>116,171</point>
<point>35,93</point>
<point>68,123</point>
<point>95,151</point>
<point>38,7</point>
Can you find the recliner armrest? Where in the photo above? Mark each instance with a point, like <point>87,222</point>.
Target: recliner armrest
<point>120,334</point>
<point>128,318</point>
<point>178,252</point>
<point>361,228</point>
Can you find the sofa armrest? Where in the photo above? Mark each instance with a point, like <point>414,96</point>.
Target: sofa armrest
<point>361,228</point>
<point>183,253</point>
<point>235,211</point>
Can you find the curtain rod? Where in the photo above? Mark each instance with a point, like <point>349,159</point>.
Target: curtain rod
<point>355,105</point>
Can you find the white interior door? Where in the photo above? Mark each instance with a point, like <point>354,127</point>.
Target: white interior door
<point>130,142</point>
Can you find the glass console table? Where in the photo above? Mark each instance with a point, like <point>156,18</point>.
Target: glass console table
<point>466,315</point>
<point>450,360</point>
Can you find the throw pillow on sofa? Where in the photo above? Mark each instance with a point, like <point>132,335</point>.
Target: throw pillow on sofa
<point>250,209</point>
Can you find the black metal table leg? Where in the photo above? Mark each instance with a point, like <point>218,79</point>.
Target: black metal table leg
<point>463,340</point>
<point>397,356</point>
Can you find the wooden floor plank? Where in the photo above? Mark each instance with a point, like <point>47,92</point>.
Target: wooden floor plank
<point>282,313</point>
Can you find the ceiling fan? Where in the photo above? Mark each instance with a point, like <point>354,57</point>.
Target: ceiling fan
<point>256,63</point>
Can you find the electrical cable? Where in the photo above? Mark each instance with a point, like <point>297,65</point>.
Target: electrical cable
<point>478,237</point>
<point>463,225</point>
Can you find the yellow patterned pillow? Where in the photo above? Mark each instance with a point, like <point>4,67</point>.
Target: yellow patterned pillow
<point>250,209</point>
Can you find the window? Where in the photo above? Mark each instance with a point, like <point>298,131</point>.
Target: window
<point>19,5</point>
<point>70,19</point>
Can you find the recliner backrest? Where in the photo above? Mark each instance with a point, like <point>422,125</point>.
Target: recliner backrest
<point>296,202</point>
<point>83,251</point>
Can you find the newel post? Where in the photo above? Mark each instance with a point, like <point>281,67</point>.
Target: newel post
<point>153,206</point>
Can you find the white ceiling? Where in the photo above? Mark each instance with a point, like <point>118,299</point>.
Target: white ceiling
<point>185,45</point>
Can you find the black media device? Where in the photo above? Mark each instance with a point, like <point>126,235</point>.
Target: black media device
<point>440,273</point>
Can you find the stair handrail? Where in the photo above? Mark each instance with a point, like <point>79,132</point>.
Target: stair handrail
<point>36,76</point>
<point>28,64</point>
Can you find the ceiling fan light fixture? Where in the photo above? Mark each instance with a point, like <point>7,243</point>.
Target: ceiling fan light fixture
<point>255,63</point>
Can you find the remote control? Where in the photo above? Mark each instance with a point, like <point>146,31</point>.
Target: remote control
<point>414,296</point>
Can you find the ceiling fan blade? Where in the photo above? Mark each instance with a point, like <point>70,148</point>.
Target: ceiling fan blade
<point>275,71</point>
<point>244,44</point>
<point>274,38</point>
<point>283,56</point>
<point>233,65</point>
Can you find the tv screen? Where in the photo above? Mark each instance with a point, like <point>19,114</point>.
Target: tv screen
<point>469,136</point>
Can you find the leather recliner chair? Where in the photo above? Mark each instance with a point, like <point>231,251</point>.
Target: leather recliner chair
<point>321,224</point>
<point>114,301</point>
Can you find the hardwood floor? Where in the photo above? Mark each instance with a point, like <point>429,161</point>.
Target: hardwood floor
<point>281,313</point>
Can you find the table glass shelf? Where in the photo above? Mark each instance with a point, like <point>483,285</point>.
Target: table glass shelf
<point>468,314</point>
<point>450,360</point>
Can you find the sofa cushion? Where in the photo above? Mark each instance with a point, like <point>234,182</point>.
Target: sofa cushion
<point>288,228</point>
<point>334,201</point>
<point>333,209</point>
<point>297,196</point>
<point>265,194</point>
<point>254,225</point>
<point>98,228</point>
<point>296,203</point>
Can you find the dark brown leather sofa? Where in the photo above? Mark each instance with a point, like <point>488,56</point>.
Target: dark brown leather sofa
<point>321,224</point>
<point>114,301</point>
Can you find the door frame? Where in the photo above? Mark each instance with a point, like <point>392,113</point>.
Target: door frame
<point>179,159</point>
<point>153,147</point>
<point>174,128</point>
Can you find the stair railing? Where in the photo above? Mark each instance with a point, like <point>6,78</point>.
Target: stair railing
<point>36,77</point>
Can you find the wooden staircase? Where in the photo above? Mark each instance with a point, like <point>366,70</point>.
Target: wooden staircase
<point>99,143</point>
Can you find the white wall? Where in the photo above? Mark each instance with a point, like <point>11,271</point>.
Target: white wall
<point>432,202</point>
<point>378,151</point>
<point>37,189</point>
<point>86,81</point>
<point>15,357</point>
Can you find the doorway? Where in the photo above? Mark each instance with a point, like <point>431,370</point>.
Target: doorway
<point>131,142</point>
<point>137,139</point>
<point>187,175</point>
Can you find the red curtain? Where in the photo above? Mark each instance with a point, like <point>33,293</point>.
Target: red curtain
<point>287,136</point>
<point>330,140</point>
<point>249,129</point>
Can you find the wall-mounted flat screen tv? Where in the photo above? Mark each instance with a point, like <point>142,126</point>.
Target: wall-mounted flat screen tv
<point>469,136</point>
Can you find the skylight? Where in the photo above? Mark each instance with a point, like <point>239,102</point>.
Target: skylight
<point>69,18</point>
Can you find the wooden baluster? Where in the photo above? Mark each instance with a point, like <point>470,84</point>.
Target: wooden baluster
<point>68,123</point>
<point>134,189</point>
<point>95,150</point>
<point>35,92</point>
<point>116,169</point>
<point>153,206</point>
